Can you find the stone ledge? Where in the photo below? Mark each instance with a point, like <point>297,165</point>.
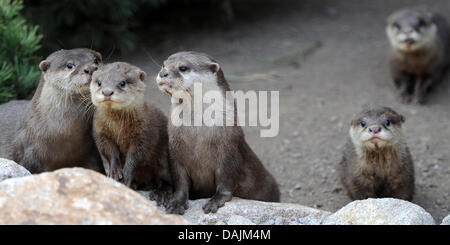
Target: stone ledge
<point>81,196</point>
<point>249,212</point>
<point>10,169</point>
<point>76,196</point>
<point>380,211</point>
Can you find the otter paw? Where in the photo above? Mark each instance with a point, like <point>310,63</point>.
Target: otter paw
<point>212,206</point>
<point>128,181</point>
<point>405,98</point>
<point>115,173</point>
<point>419,100</point>
<point>177,207</point>
<point>161,197</point>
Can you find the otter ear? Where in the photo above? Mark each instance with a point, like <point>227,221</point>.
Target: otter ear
<point>354,122</point>
<point>401,118</point>
<point>44,65</point>
<point>214,67</point>
<point>97,55</point>
<point>142,75</point>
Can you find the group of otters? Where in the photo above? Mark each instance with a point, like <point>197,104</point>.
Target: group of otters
<point>132,141</point>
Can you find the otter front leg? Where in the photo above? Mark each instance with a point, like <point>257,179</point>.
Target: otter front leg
<point>362,187</point>
<point>110,155</point>
<point>423,85</point>
<point>403,84</point>
<point>106,164</point>
<point>28,158</point>
<point>135,157</point>
<point>96,162</point>
<point>222,195</point>
<point>162,194</point>
<point>225,183</point>
<point>115,169</point>
<point>181,183</point>
<point>420,90</point>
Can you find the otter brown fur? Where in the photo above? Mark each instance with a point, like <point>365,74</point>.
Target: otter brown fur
<point>54,130</point>
<point>130,133</point>
<point>420,51</point>
<point>377,162</point>
<point>209,161</point>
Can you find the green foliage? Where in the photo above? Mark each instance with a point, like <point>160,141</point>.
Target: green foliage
<point>19,42</point>
<point>228,10</point>
<point>100,24</point>
<point>107,25</point>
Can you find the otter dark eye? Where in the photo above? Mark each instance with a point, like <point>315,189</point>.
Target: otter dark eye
<point>96,61</point>
<point>122,84</point>
<point>387,123</point>
<point>421,24</point>
<point>99,83</point>
<point>183,68</point>
<point>363,124</point>
<point>70,65</point>
<point>397,25</point>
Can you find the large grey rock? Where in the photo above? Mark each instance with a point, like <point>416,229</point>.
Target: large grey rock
<point>382,211</point>
<point>245,212</point>
<point>10,169</point>
<point>249,212</point>
<point>446,220</point>
<point>75,196</point>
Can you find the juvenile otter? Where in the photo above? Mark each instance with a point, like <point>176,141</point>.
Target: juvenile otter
<point>209,161</point>
<point>377,161</point>
<point>54,131</point>
<point>130,133</point>
<point>419,41</point>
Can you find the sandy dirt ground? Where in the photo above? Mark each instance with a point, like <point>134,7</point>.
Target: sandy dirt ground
<point>318,98</point>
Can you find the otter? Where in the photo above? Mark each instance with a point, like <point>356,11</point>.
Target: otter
<point>377,162</point>
<point>209,161</point>
<point>54,129</point>
<point>419,59</point>
<point>130,133</point>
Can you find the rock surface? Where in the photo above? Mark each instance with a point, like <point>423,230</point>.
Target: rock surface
<point>10,169</point>
<point>446,220</point>
<point>75,196</point>
<point>383,211</point>
<point>249,212</point>
<point>81,196</point>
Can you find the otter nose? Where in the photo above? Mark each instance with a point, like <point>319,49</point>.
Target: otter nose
<point>90,70</point>
<point>107,92</point>
<point>409,41</point>
<point>374,130</point>
<point>163,74</point>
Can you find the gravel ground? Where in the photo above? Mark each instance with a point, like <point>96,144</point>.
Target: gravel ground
<point>319,97</point>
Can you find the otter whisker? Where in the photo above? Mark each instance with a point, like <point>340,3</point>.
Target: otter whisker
<point>151,58</point>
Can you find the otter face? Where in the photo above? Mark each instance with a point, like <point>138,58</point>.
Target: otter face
<point>71,70</point>
<point>376,128</point>
<point>181,70</point>
<point>411,30</point>
<point>118,86</point>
